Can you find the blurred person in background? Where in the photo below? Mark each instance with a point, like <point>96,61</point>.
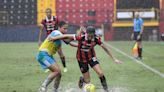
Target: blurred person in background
<point>162,36</point>
<point>99,32</point>
<point>49,24</point>
<point>138,29</point>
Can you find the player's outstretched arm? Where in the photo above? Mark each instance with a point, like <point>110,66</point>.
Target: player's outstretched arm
<point>73,44</point>
<point>65,36</point>
<point>69,41</point>
<point>41,27</point>
<point>110,54</point>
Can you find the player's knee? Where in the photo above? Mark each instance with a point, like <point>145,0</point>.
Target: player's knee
<point>58,74</point>
<point>101,74</point>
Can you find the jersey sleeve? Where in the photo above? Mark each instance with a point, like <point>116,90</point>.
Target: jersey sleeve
<point>67,41</point>
<point>57,20</point>
<point>78,37</point>
<point>56,33</point>
<point>98,41</point>
<point>141,22</point>
<point>43,22</point>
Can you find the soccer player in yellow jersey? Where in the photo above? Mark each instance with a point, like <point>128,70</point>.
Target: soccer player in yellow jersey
<point>49,24</point>
<point>48,48</point>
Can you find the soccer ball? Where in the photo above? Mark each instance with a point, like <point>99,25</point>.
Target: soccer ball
<point>162,36</point>
<point>89,88</point>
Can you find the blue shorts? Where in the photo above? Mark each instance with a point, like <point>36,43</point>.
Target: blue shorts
<point>45,59</point>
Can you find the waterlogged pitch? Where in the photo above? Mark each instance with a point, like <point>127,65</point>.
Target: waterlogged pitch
<point>20,72</point>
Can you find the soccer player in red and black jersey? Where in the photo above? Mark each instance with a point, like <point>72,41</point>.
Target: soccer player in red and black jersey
<point>50,23</point>
<point>86,56</point>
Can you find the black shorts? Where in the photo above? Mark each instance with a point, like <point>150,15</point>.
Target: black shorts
<point>84,66</point>
<point>136,35</point>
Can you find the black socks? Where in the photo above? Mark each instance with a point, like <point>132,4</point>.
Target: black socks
<point>140,53</point>
<point>104,83</point>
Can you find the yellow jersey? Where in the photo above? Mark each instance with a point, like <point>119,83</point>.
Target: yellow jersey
<point>51,46</point>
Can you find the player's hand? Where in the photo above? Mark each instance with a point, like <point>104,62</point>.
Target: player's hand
<point>138,37</point>
<point>83,29</point>
<point>117,61</point>
<point>39,43</point>
<point>50,39</point>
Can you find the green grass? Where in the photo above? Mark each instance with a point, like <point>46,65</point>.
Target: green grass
<point>20,72</point>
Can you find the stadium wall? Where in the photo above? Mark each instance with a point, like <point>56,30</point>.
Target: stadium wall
<point>25,33</point>
<point>22,18</point>
<point>87,12</point>
<point>124,33</point>
<point>162,17</point>
<point>18,33</point>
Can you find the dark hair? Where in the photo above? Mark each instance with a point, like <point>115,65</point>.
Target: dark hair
<point>90,30</point>
<point>61,23</point>
<point>48,9</point>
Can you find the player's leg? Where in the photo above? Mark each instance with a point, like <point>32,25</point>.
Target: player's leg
<point>84,79</point>
<point>49,62</point>
<point>96,67</point>
<point>62,57</point>
<point>54,75</point>
<point>85,72</point>
<point>57,76</point>
<point>136,42</point>
<point>139,49</point>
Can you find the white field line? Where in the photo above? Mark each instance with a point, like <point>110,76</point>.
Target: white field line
<point>139,62</point>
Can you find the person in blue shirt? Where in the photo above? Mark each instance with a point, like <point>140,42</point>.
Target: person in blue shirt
<point>138,29</point>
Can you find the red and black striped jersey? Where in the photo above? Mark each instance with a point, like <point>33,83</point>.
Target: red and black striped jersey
<point>50,24</point>
<point>85,51</point>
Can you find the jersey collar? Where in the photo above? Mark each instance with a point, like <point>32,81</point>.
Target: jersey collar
<point>50,19</point>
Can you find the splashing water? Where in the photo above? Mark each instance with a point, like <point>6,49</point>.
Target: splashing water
<point>71,87</point>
